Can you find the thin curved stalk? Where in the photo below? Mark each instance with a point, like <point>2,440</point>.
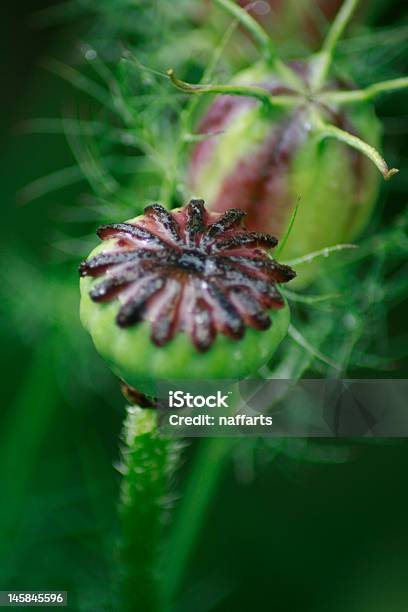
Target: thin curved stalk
<point>262,38</point>
<point>305,344</point>
<point>324,58</point>
<point>186,120</point>
<point>325,252</point>
<point>292,296</point>
<point>204,477</point>
<point>330,131</point>
<point>284,240</point>
<point>366,94</point>
<point>191,106</point>
<point>252,26</point>
<point>80,82</point>
<point>250,91</point>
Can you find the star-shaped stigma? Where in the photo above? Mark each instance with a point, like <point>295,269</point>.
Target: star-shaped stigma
<point>188,270</point>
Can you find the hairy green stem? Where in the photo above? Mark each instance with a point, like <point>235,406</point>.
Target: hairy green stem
<point>363,95</point>
<point>204,476</point>
<point>331,131</point>
<point>258,93</point>
<point>324,58</point>
<point>148,461</point>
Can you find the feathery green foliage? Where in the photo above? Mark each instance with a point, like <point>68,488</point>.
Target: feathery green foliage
<point>128,131</point>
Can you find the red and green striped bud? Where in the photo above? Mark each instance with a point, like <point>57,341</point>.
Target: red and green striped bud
<point>286,133</point>
<point>266,160</point>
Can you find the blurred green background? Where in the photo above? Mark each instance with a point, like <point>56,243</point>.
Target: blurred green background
<point>305,528</point>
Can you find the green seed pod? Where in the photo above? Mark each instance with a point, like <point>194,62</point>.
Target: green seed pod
<point>286,133</point>
<point>186,294</point>
<point>265,161</point>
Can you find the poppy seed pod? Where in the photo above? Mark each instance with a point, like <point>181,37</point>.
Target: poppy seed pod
<point>186,294</point>
<point>264,162</point>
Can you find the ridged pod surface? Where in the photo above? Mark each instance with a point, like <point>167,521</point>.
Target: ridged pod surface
<point>186,294</point>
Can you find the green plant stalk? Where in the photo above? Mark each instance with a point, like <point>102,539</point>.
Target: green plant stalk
<point>148,461</point>
<point>284,239</point>
<point>261,37</point>
<point>251,91</point>
<point>192,104</point>
<point>366,94</point>
<point>205,475</point>
<point>168,187</point>
<point>330,131</point>
<point>309,257</point>
<point>324,58</point>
